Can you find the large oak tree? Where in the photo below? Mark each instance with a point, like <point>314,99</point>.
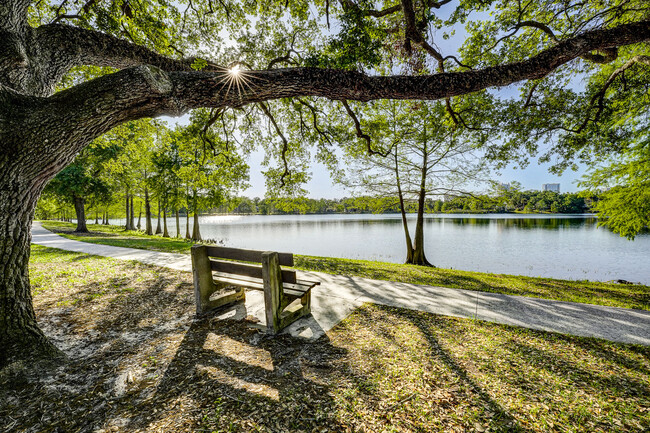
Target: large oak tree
<point>50,109</point>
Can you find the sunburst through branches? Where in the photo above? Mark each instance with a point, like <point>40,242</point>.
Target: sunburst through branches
<point>236,78</point>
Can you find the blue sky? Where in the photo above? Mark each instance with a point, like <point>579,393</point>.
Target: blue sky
<point>321,186</point>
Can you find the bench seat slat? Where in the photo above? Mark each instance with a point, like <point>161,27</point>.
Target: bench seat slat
<point>242,282</point>
<point>294,289</point>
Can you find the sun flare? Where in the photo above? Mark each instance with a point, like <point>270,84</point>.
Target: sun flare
<point>236,78</point>
<point>235,70</point>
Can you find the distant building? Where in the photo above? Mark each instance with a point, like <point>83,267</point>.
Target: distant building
<point>504,186</point>
<point>554,187</point>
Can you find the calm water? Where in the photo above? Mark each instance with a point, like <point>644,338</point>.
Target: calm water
<point>562,246</point>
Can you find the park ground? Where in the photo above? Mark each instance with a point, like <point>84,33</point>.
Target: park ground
<point>139,362</point>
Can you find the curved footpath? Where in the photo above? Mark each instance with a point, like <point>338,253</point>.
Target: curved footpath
<point>339,295</point>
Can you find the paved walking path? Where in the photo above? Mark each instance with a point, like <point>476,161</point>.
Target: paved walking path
<point>339,295</point>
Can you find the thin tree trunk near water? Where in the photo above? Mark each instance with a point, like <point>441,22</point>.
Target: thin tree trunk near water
<point>196,233</point>
<point>165,231</point>
<point>147,212</point>
<point>400,194</point>
<point>158,228</point>
<point>419,257</point>
<point>80,211</point>
<point>132,216</point>
<point>126,220</point>
<point>187,224</point>
<point>178,224</point>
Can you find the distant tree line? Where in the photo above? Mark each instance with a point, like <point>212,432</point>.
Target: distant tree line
<point>505,202</point>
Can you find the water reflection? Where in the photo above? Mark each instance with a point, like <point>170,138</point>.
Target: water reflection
<point>563,246</point>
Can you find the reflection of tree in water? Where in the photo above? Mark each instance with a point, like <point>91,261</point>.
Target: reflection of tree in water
<point>519,223</point>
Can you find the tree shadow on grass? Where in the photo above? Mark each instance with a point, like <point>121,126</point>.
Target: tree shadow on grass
<point>572,372</point>
<point>494,415</point>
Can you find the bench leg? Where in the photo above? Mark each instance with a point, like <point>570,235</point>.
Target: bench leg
<point>202,274</point>
<point>272,278</point>
<point>295,311</point>
<point>277,317</point>
<point>204,285</point>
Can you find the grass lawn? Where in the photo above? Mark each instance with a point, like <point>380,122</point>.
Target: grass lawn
<point>609,294</point>
<point>138,362</point>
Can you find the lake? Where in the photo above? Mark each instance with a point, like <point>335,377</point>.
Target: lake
<point>561,246</point>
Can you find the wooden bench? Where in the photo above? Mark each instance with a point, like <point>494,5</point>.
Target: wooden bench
<point>286,299</point>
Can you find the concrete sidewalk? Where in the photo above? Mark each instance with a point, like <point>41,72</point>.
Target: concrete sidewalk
<point>339,295</point>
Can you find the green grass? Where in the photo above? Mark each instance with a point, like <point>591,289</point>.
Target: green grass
<point>382,369</point>
<point>118,237</point>
<point>590,292</point>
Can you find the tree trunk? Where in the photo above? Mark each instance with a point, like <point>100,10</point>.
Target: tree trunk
<point>80,211</point>
<point>400,194</point>
<point>140,216</point>
<point>20,336</point>
<point>96,217</point>
<point>178,225</point>
<point>158,228</point>
<point>418,248</point>
<point>147,211</point>
<point>165,231</point>
<point>132,216</point>
<point>187,223</point>
<point>126,220</point>
<point>196,234</point>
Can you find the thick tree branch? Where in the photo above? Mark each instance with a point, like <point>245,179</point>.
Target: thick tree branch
<point>13,15</point>
<point>89,47</point>
<point>94,107</point>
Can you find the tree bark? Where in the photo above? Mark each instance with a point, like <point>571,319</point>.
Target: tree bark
<point>158,228</point>
<point>178,224</point>
<point>20,336</point>
<point>132,216</point>
<point>126,219</point>
<point>402,208</point>
<point>187,224</point>
<point>419,257</point>
<point>196,233</point>
<point>147,212</point>
<point>165,231</point>
<point>80,211</point>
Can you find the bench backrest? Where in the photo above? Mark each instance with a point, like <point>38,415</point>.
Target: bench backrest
<point>253,256</point>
